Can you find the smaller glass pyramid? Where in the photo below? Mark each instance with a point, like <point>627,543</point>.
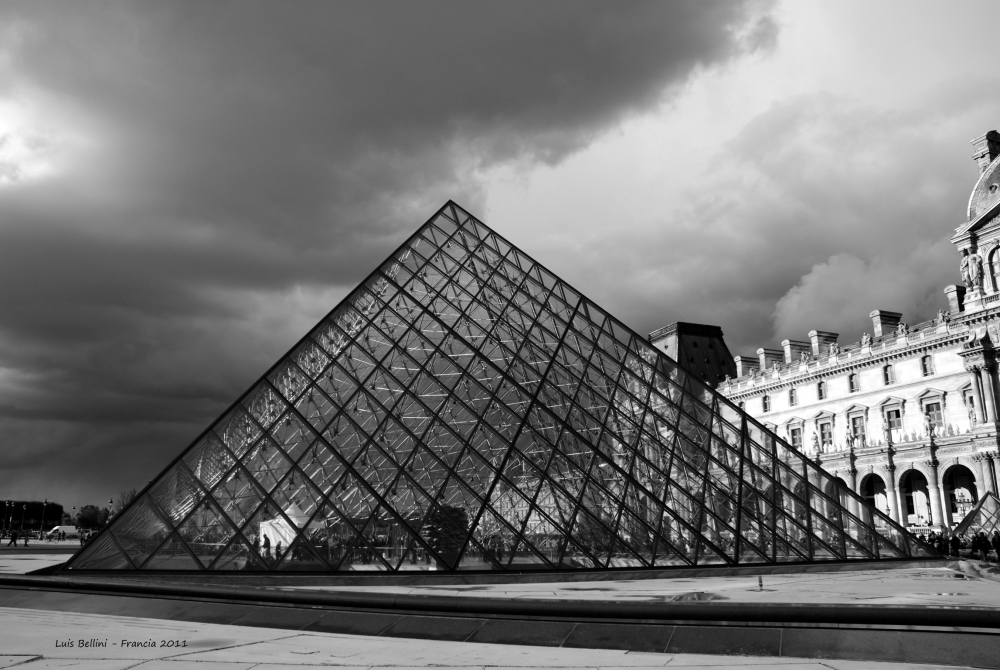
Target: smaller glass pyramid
<point>465,409</point>
<point>984,517</point>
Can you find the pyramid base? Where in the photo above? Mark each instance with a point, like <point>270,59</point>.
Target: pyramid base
<point>434,576</point>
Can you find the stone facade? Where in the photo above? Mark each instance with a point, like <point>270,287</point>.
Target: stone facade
<point>909,416</point>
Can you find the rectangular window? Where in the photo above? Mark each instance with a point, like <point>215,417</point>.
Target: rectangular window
<point>821,390</point>
<point>795,434</point>
<point>852,382</point>
<point>792,400</point>
<point>934,409</point>
<point>927,365</point>
<point>894,418</point>
<point>889,374</point>
<point>858,426</point>
<point>825,433</point>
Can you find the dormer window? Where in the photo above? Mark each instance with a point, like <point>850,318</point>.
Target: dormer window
<point>927,365</point>
<point>889,374</point>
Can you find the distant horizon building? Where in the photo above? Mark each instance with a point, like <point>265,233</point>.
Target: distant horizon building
<point>908,417</point>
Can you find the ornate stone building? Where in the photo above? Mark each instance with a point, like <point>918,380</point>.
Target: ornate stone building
<point>908,417</point>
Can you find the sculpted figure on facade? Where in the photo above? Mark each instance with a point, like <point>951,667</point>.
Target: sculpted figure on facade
<point>834,349</point>
<point>972,270</point>
<point>943,316</point>
<point>902,329</point>
<point>928,424</point>
<point>816,443</point>
<point>866,340</point>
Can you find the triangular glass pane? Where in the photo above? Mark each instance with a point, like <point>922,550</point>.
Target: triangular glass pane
<point>139,530</point>
<point>177,493</point>
<point>101,553</point>
<point>172,555</point>
<point>206,532</point>
<point>238,556</point>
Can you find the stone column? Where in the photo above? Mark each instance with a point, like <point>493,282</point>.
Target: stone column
<point>989,399</point>
<point>938,518</point>
<point>983,483</point>
<point>852,504</point>
<point>991,477</point>
<point>946,506</point>
<point>892,492</point>
<point>977,392</point>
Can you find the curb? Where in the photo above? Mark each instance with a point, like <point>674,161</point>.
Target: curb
<point>847,614</point>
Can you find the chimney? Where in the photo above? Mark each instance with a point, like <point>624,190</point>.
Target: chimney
<point>956,298</point>
<point>794,349</point>
<point>821,341</point>
<point>770,357</point>
<point>745,365</point>
<point>884,322</point>
<point>985,149</point>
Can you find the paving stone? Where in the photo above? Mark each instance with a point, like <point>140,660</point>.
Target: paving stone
<point>741,641</point>
<point>506,631</point>
<point>434,628</point>
<point>353,623</point>
<point>631,637</point>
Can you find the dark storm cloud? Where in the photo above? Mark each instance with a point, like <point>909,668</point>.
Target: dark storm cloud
<point>219,173</point>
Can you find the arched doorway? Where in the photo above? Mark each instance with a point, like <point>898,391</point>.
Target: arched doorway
<point>873,490</point>
<point>842,489</point>
<point>916,499</point>
<point>960,492</point>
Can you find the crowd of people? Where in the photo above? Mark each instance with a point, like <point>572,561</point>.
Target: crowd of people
<point>977,544</point>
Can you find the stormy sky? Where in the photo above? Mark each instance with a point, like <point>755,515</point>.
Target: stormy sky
<point>186,187</point>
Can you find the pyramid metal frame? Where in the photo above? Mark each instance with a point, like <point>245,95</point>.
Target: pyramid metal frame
<point>465,409</point>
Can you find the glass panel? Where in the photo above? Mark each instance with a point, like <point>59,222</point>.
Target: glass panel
<point>176,493</point>
<point>206,532</point>
<point>100,554</point>
<point>140,530</point>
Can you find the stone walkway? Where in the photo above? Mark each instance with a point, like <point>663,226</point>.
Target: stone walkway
<point>30,638</point>
<point>905,586</point>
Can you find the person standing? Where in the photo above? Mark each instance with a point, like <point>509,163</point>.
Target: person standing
<point>13,538</point>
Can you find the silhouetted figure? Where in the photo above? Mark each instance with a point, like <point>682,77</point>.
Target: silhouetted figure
<point>955,544</point>
<point>267,547</point>
<point>13,538</point>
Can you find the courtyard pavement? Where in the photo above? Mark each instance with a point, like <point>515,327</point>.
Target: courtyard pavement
<point>902,586</point>
<point>30,637</point>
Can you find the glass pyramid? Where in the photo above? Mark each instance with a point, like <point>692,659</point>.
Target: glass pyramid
<point>465,409</point>
<point>984,517</point>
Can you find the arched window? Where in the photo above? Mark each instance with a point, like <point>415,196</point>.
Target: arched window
<point>821,390</point>
<point>927,365</point>
<point>766,402</point>
<point>889,374</point>
<point>792,398</point>
<point>852,382</point>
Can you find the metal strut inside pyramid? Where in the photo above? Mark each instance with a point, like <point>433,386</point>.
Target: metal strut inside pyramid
<point>465,409</point>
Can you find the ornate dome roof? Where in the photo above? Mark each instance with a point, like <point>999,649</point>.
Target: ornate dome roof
<point>987,190</point>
